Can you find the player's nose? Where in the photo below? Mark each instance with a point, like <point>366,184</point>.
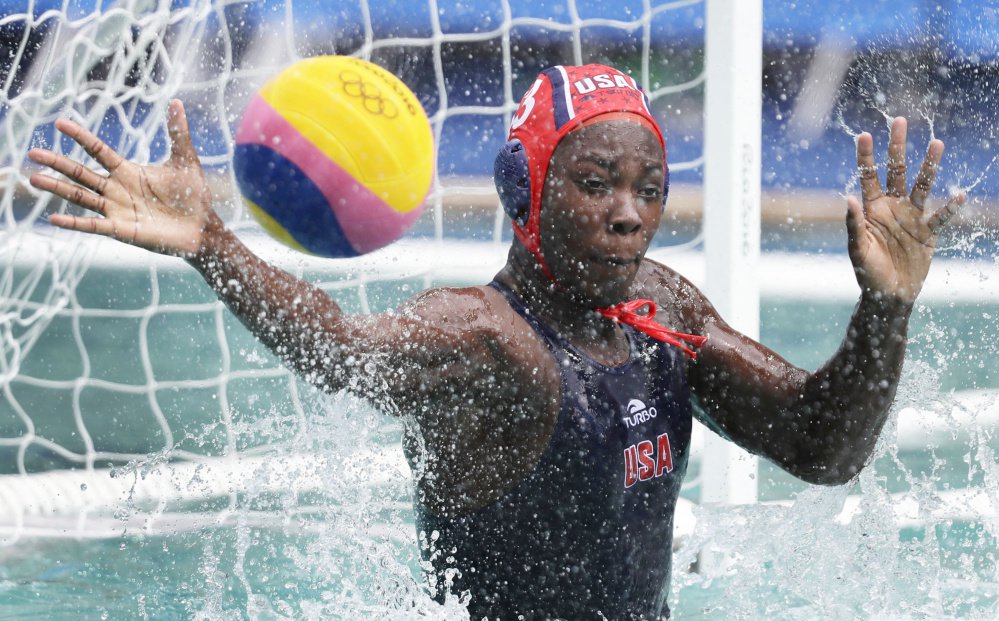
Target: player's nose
<point>625,218</point>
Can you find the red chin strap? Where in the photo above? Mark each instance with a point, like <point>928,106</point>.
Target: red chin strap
<point>625,312</point>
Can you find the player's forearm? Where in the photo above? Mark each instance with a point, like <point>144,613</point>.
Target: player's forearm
<point>846,402</point>
<point>293,318</point>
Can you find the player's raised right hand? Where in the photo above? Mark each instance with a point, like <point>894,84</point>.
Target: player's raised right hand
<point>161,208</point>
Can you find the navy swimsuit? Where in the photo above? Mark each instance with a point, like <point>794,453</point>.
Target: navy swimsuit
<point>589,532</point>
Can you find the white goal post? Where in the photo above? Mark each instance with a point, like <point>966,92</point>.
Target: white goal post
<point>732,127</point>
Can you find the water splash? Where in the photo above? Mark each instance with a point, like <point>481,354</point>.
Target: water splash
<point>887,546</point>
<point>348,550</point>
<point>957,188</point>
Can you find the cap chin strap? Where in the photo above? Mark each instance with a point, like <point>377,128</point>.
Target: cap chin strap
<point>625,312</point>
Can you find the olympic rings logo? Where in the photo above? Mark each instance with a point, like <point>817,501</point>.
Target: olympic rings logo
<point>371,96</point>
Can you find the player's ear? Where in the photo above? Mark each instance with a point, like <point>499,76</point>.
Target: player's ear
<point>512,177</point>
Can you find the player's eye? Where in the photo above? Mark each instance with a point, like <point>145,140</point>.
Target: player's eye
<point>593,185</point>
<point>651,192</point>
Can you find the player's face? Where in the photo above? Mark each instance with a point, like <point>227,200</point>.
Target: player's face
<point>601,206</point>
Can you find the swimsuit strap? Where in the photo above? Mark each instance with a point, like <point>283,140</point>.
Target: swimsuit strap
<point>551,337</point>
<point>558,344</point>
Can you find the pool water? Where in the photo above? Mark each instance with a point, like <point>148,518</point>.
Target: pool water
<point>351,552</point>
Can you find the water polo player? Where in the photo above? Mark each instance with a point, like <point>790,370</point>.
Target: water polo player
<point>548,415</point>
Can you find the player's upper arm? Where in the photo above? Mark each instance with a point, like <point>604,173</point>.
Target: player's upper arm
<point>743,388</point>
<point>444,340</point>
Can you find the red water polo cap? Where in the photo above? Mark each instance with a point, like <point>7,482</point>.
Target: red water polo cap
<point>564,98</point>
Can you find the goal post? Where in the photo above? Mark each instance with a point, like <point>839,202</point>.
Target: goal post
<point>732,148</point>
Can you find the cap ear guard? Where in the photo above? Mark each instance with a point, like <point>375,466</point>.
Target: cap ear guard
<point>512,177</point>
<point>666,186</point>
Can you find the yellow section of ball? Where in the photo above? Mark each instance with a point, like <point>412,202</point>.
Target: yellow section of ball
<point>364,118</point>
<point>274,229</point>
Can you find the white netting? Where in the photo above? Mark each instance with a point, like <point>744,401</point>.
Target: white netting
<point>111,354</point>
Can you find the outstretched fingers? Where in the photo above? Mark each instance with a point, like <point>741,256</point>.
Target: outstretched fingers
<point>857,241</point>
<point>927,174</point>
<point>182,151</point>
<point>94,146</point>
<point>71,192</point>
<point>870,185</point>
<point>895,179</point>
<point>942,216</point>
<point>98,226</point>
<point>70,168</point>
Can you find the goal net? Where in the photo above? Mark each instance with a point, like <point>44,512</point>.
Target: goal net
<point>125,382</point>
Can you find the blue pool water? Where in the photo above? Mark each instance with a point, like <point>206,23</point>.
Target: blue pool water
<point>348,551</point>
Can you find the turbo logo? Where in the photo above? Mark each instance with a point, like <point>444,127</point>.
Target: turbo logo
<point>638,413</point>
<point>370,95</point>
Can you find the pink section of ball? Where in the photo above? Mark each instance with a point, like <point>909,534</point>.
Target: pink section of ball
<point>367,221</point>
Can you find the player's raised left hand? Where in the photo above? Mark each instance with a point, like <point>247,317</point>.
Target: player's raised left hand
<point>160,208</point>
<point>891,234</point>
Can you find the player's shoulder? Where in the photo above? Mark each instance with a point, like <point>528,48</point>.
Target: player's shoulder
<point>655,277</point>
<point>476,316</point>
<point>464,306</point>
<point>477,324</point>
<point>674,293</point>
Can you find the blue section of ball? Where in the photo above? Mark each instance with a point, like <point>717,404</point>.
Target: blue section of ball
<point>280,188</point>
